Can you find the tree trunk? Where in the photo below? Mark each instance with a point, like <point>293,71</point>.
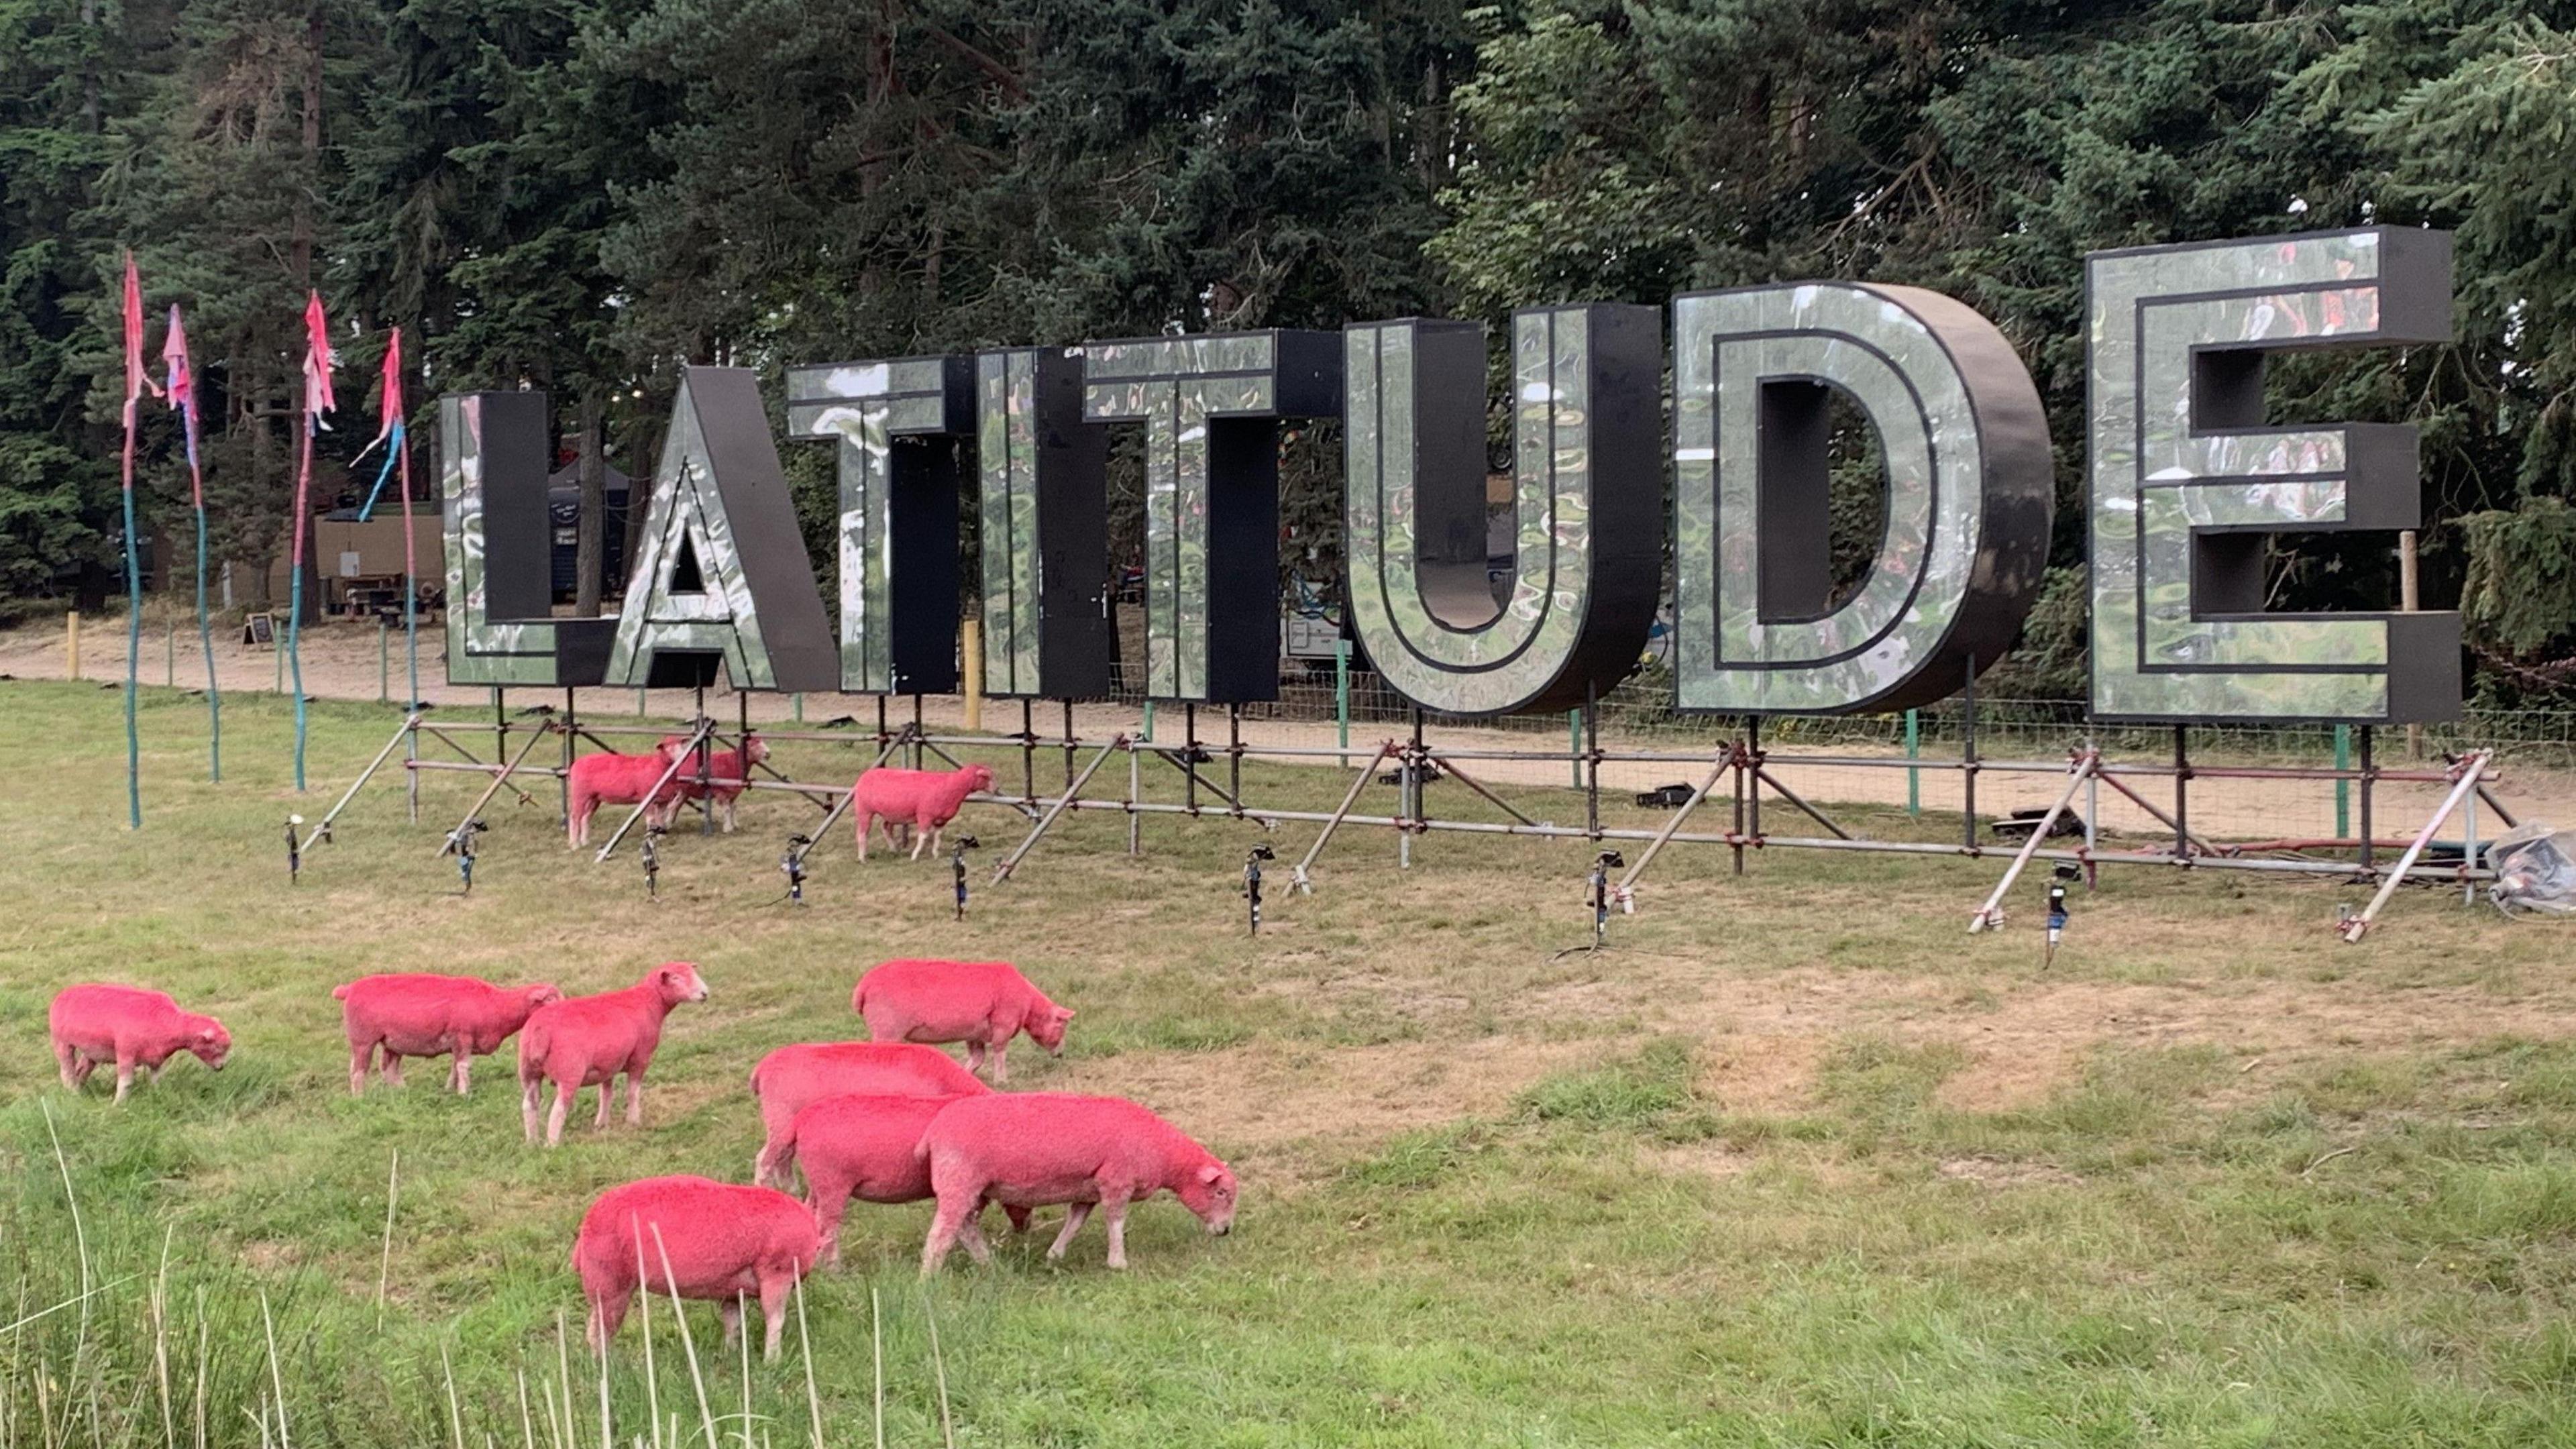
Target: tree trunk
<point>590,552</point>
<point>642,467</point>
<point>300,245</point>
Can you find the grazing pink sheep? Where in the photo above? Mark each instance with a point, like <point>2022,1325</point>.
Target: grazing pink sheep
<point>792,1078</point>
<point>926,800</point>
<point>1027,1149</point>
<point>981,1003</point>
<point>864,1147</point>
<point>724,1242</point>
<point>727,772</point>
<point>419,1015</point>
<point>130,1027</point>
<point>615,779</point>
<point>584,1041</point>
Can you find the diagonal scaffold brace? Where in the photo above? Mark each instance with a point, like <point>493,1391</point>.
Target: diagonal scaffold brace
<point>1733,757</point>
<point>698,732</point>
<point>536,737</point>
<point>2465,777</point>
<point>2085,766</point>
<point>841,805</point>
<point>1359,782</point>
<point>322,831</point>
<point>1073,788</point>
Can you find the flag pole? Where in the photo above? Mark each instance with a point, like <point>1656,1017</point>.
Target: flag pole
<point>317,401</point>
<point>134,383</point>
<point>183,396</point>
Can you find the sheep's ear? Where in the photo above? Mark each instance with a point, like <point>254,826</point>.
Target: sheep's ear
<point>1211,1173</point>
<point>1064,1013</point>
<point>206,1034</point>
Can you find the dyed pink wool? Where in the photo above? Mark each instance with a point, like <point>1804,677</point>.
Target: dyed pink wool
<point>926,800</point>
<point>981,1003</point>
<point>585,1041</point>
<point>615,779</point>
<point>725,1242</point>
<point>132,1028</point>
<point>792,1078</point>
<point>727,772</point>
<point>1027,1149</point>
<point>419,1015</point>
<point>866,1147</point>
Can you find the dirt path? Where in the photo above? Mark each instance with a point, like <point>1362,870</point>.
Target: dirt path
<point>350,660</point>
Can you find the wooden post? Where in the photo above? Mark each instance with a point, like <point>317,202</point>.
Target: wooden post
<point>2408,601</point>
<point>71,643</point>
<point>971,645</point>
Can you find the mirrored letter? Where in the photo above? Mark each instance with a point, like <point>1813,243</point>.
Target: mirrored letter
<point>722,576</point>
<point>1588,563</point>
<point>900,426</point>
<point>501,627</point>
<point>1047,628</point>
<point>1211,408</point>
<point>2187,480</point>
<point>1969,501</point>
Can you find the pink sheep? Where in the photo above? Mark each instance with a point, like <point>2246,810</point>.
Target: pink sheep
<point>1027,1149</point>
<point>130,1027</point>
<point>722,1241</point>
<point>418,1015</point>
<point>981,1003</point>
<point>727,773</point>
<point>613,779</point>
<point>585,1041</point>
<point>794,1077</point>
<point>926,800</point>
<point>864,1147</point>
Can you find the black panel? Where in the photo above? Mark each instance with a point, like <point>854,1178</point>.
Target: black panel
<point>921,510</point>
<point>1077,636</point>
<point>1793,501</point>
<point>1243,559</point>
<point>743,458</point>
<point>518,541</point>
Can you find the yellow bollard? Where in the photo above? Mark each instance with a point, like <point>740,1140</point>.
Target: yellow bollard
<point>71,642</point>
<point>971,646</point>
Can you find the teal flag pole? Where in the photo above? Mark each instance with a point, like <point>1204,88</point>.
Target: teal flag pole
<point>183,397</point>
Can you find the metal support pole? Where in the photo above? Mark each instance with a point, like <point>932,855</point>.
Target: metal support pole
<point>535,738</point>
<point>2182,792</point>
<point>1332,823</point>
<point>1574,746</point>
<point>2475,764</point>
<point>1068,745</point>
<point>1149,721</point>
<point>1028,751</point>
<point>1234,758</point>
<point>1735,832</point>
<point>1592,756</point>
<point>2092,802</point>
<point>1342,698</point>
<point>1753,774</point>
<point>1190,754</point>
<point>697,737</point>
<point>1135,796</point>
<point>1765,777</point>
<point>571,724</point>
<point>1725,762</point>
<point>384,660</point>
<point>2343,788</point>
<point>476,761</point>
<point>1968,759</point>
<point>322,831</point>
<point>1463,778</point>
<point>501,723</point>
<point>1990,916</point>
<point>1914,751</point>
<point>1072,787</point>
<point>701,750</point>
<point>2369,778</point>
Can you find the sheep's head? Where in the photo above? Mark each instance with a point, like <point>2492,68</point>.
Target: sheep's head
<point>678,981</point>
<point>977,777</point>
<point>539,994</point>
<point>755,750</point>
<point>212,1044</point>
<point>1047,1029</point>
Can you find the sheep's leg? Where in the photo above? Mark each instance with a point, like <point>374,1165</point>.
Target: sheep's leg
<point>1113,1209</point>
<point>361,1056</point>
<point>921,836</point>
<point>124,1075</point>
<point>1001,1068</point>
<point>975,1057</point>
<point>867,827</point>
<point>606,1313</point>
<point>607,1094</point>
<point>67,1057</point>
<point>80,1074</point>
<point>729,1313</point>
<point>945,1225</point>
<point>1074,1217</point>
<point>555,1117</point>
<point>464,1070</point>
<point>773,1310</point>
<point>634,1098</point>
<point>971,1233</point>
<point>530,1088</point>
<point>393,1067</point>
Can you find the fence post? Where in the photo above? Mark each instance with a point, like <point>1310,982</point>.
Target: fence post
<point>170,658</point>
<point>971,646</point>
<point>1574,745</point>
<point>1342,698</point>
<point>384,660</point>
<point>2343,788</point>
<point>1149,721</point>
<point>1913,751</point>
<point>71,643</point>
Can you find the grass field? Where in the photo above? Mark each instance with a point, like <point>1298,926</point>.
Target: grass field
<point>1800,1162</point>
